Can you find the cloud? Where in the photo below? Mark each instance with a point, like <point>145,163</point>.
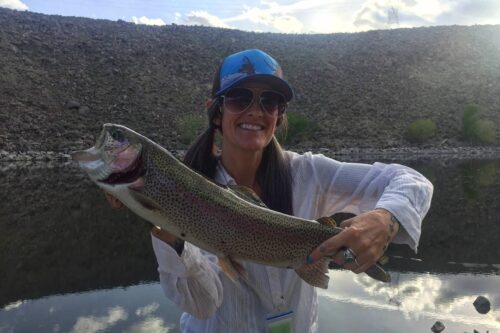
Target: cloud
<point>92,324</point>
<point>468,12</point>
<point>13,305</point>
<point>13,4</point>
<point>147,21</point>
<point>147,310</point>
<point>152,324</point>
<point>374,14</point>
<point>379,14</point>
<point>272,15</point>
<point>199,17</point>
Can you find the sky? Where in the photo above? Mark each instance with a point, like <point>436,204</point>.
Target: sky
<point>282,16</point>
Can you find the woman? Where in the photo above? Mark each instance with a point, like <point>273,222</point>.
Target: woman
<point>249,98</point>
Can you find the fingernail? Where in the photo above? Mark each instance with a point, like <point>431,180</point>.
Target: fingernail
<point>309,259</point>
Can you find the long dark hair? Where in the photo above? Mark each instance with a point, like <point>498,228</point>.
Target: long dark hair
<point>274,174</point>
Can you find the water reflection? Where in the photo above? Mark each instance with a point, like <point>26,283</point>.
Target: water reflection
<point>68,263</point>
<point>134,309</point>
<point>412,303</point>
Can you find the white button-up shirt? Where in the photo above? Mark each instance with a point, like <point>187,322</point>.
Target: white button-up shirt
<point>321,187</point>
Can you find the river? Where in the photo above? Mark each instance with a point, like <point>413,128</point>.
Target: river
<point>69,263</point>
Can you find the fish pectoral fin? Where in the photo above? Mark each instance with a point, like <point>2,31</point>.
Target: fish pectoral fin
<point>315,274</point>
<point>247,194</point>
<point>145,201</point>
<point>232,268</point>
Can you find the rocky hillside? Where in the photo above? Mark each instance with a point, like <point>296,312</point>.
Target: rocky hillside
<point>62,77</point>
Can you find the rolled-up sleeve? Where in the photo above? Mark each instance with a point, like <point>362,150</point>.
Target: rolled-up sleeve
<point>191,280</point>
<point>335,186</point>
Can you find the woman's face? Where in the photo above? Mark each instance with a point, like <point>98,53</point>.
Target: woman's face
<point>252,129</point>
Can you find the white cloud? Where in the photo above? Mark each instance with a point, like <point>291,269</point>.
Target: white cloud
<point>374,14</point>
<point>13,305</point>
<point>199,17</point>
<point>13,4</point>
<point>147,310</point>
<point>147,21</point>
<point>288,23</point>
<point>472,12</point>
<point>152,324</point>
<point>272,15</point>
<point>92,324</point>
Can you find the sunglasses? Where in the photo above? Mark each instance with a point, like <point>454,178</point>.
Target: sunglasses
<point>238,100</point>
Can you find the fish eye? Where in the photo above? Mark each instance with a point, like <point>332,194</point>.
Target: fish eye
<point>117,135</point>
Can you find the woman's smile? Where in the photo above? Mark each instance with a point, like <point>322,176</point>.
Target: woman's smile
<point>251,127</point>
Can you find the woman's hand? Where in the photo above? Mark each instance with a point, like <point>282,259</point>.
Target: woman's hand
<point>113,201</point>
<point>163,235</point>
<point>156,231</point>
<point>367,235</point>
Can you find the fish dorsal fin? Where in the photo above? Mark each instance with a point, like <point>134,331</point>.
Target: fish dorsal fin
<point>247,194</point>
<point>335,219</point>
<point>328,221</point>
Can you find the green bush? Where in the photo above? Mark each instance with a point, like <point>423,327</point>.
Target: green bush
<point>299,128</point>
<point>188,126</point>
<point>486,131</point>
<point>475,129</point>
<point>420,130</point>
<point>469,122</point>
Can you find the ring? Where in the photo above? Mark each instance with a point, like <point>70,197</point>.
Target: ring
<point>349,256</point>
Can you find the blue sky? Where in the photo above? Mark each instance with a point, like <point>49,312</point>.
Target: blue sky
<point>288,16</point>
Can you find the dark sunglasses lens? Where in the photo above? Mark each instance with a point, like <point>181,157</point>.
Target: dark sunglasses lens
<point>272,102</point>
<point>238,99</point>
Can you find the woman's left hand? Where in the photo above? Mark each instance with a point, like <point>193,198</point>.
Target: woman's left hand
<point>367,235</point>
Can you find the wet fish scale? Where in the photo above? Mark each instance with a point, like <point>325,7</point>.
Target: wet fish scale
<point>223,222</point>
<point>212,217</point>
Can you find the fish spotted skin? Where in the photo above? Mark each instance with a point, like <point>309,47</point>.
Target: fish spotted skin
<point>194,208</point>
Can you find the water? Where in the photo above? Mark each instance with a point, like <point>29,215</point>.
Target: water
<point>68,263</point>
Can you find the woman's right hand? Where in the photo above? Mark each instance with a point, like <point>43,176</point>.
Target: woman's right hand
<point>113,201</point>
<point>156,231</point>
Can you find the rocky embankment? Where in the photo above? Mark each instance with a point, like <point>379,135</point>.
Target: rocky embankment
<point>62,77</point>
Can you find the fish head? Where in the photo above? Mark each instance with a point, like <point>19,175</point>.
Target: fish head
<point>116,159</point>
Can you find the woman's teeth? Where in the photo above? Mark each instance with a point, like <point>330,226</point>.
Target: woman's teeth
<point>251,127</point>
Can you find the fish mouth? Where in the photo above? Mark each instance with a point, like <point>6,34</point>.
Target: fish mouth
<point>129,175</point>
<point>123,166</point>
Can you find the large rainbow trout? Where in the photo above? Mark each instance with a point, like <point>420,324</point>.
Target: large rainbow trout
<point>230,222</point>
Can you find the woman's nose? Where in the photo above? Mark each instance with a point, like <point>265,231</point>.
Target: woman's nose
<point>255,107</point>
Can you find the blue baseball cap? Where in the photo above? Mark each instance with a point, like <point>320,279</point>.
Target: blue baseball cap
<point>252,64</point>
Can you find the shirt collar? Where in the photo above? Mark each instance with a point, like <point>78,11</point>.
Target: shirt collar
<point>222,176</point>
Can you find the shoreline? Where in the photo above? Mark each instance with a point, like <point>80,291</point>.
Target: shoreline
<point>401,153</point>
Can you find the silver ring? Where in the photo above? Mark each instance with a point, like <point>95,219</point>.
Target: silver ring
<point>349,256</point>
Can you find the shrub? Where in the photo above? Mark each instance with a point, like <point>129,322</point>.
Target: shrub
<point>299,128</point>
<point>188,126</point>
<point>475,129</point>
<point>469,122</point>
<point>486,131</point>
<point>420,130</point>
